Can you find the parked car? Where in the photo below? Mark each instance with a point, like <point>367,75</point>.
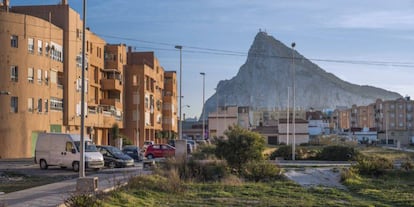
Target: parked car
<point>134,152</point>
<point>114,157</point>
<point>159,150</point>
<point>148,143</point>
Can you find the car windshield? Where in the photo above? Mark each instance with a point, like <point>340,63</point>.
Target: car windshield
<point>89,146</point>
<point>115,151</point>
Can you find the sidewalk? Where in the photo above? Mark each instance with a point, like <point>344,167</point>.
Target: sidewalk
<point>54,194</point>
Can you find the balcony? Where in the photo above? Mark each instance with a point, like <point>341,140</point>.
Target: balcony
<point>112,102</point>
<point>111,84</point>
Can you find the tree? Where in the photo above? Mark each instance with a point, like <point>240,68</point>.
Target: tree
<point>241,147</point>
<point>115,131</point>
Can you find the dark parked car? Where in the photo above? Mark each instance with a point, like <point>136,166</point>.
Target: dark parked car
<point>159,150</point>
<point>133,151</point>
<point>113,157</point>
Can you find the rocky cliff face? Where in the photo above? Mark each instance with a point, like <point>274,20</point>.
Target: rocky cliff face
<point>263,81</point>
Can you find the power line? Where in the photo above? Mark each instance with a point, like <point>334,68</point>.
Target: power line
<point>222,52</point>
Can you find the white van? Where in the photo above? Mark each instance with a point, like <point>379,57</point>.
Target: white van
<point>57,149</point>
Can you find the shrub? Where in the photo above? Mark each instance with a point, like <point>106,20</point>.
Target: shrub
<point>302,153</point>
<point>283,151</point>
<point>261,171</point>
<point>374,166</point>
<point>349,174</point>
<point>83,200</point>
<point>205,152</point>
<point>203,170</point>
<point>241,147</point>
<point>407,165</point>
<point>338,153</point>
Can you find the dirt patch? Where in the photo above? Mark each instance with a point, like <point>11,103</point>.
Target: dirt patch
<point>310,177</point>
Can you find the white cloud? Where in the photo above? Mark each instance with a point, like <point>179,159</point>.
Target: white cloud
<point>376,20</point>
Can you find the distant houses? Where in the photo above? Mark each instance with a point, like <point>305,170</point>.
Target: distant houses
<point>383,122</point>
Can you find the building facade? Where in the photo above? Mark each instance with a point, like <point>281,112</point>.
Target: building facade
<point>41,70</point>
<point>149,106</point>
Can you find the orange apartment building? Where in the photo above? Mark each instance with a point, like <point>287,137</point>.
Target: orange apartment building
<point>41,69</point>
<point>150,102</point>
<point>169,109</point>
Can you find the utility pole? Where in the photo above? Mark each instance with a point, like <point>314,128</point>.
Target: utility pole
<point>294,107</point>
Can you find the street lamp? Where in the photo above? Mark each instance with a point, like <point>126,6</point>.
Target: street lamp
<point>294,107</point>
<point>180,125</point>
<point>204,116</point>
<point>82,138</point>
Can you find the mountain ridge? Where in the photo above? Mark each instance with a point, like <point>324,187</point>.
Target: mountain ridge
<point>263,81</point>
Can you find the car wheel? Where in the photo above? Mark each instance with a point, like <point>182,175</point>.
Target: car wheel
<point>43,164</point>
<point>150,156</point>
<point>111,165</point>
<point>75,166</point>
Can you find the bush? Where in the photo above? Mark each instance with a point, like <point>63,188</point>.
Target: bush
<point>261,171</point>
<point>374,166</point>
<point>284,151</point>
<point>302,153</point>
<point>241,147</point>
<point>338,153</point>
<point>205,152</point>
<point>407,165</point>
<point>349,174</point>
<point>194,170</point>
<point>83,200</point>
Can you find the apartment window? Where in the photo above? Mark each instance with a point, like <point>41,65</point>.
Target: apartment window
<point>30,45</point>
<point>401,124</point>
<point>39,76</point>
<point>53,76</point>
<point>39,47</point>
<point>46,77</point>
<point>14,104</point>
<point>56,104</point>
<point>46,106</point>
<point>14,41</point>
<point>30,75</point>
<point>47,49</point>
<point>14,73</point>
<point>39,105</point>
<point>30,104</point>
<point>79,85</point>
<point>392,106</point>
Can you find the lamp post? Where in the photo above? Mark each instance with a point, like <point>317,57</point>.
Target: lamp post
<point>294,107</point>
<point>180,125</point>
<point>287,120</point>
<point>204,116</point>
<point>82,138</point>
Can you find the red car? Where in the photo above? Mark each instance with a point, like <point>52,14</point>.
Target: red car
<point>159,150</point>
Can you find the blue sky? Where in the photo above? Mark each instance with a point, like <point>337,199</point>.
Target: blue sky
<point>370,30</point>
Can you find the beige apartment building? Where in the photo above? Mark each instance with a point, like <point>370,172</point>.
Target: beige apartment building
<point>220,120</point>
<point>393,119</point>
<point>147,97</point>
<point>41,70</point>
<point>288,134</point>
<point>31,70</point>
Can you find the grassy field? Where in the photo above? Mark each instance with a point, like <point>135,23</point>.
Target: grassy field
<point>394,189</point>
<point>386,153</point>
